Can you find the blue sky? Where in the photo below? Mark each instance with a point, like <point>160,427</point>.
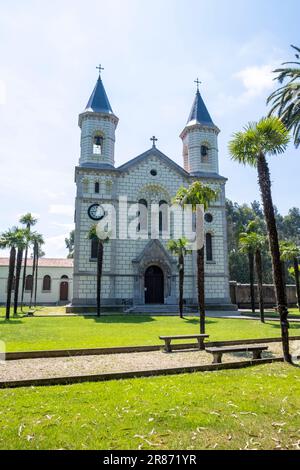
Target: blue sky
<point>151,51</point>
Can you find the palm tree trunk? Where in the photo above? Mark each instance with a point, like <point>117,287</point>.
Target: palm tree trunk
<point>17,284</point>
<point>259,273</point>
<point>181,279</point>
<point>99,275</point>
<point>201,288</point>
<point>36,275</point>
<point>296,269</point>
<point>265,189</point>
<point>24,276</point>
<point>283,268</point>
<point>251,278</point>
<point>33,275</point>
<point>10,280</point>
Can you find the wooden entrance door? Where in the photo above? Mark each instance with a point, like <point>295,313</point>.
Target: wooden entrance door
<point>154,285</point>
<point>64,291</point>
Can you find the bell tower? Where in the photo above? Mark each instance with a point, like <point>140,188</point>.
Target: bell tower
<point>200,139</point>
<point>98,124</point>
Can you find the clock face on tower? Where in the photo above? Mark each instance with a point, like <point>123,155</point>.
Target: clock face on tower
<point>96,212</point>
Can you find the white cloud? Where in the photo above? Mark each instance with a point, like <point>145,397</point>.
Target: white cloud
<point>256,80</point>
<point>55,246</point>
<point>61,209</point>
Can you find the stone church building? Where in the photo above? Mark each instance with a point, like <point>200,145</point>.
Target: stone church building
<point>137,272</point>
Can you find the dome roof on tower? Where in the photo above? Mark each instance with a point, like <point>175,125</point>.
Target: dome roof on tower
<point>99,102</point>
<point>199,113</point>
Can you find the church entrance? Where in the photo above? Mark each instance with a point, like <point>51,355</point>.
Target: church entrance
<point>64,291</point>
<point>154,285</point>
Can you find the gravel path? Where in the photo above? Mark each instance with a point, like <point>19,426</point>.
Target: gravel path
<point>88,365</point>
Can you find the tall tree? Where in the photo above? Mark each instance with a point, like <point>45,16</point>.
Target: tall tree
<point>251,146</point>
<point>23,235</point>
<point>29,221</point>
<point>70,241</point>
<point>195,195</point>
<point>101,238</point>
<point>290,252</point>
<point>286,100</point>
<point>38,241</point>
<point>180,249</point>
<point>10,240</point>
<point>254,243</point>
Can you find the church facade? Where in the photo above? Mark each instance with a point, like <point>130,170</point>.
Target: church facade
<point>142,271</point>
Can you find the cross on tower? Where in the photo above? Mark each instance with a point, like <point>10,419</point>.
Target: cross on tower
<point>198,83</point>
<point>154,139</point>
<point>99,68</point>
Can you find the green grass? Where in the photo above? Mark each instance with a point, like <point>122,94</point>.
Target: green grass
<point>25,334</point>
<point>250,408</point>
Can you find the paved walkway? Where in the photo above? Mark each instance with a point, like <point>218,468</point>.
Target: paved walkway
<point>87,365</point>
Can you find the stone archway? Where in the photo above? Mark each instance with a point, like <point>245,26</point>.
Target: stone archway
<point>154,254</point>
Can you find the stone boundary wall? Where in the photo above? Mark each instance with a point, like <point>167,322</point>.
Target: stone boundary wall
<point>240,295</point>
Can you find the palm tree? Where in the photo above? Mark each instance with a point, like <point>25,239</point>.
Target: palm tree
<point>198,194</point>
<point>37,240</point>
<point>179,248</point>
<point>28,220</point>
<point>253,243</point>
<point>23,235</point>
<point>291,252</point>
<point>69,241</point>
<point>94,235</point>
<point>10,240</point>
<point>251,146</point>
<point>286,100</point>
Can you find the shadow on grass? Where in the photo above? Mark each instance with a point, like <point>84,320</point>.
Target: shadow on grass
<point>136,319</point>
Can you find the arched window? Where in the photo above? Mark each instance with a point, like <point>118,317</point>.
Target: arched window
<point>143,216</point>
<point>163,217</point>
<point>97,187</point>
<point>208,244</point>
<point>28,282</point>
<point>98,145</point>
<point>204,154</point>
<point>94,248</point>
<point>47,283</point>
<point>64,276</point>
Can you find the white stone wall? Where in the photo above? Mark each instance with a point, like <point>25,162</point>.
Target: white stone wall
<point>193,138</point>
<point>48,297</point>
<point>118,269</point>
<point>90,124</point>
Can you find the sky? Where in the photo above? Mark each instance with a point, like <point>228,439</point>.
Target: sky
<point>152,51</point>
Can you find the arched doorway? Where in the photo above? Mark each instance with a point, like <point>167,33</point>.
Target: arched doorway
<point>154,285</point>
<point>64,291</point>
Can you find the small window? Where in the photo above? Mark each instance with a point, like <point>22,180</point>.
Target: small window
<point>208,244</point>
<point>28,282</point>
<point>98,145</point>
<point>46,283</point>
<point>97,187</point>
<point>153,172</point>
<point>204,154</point>
<point>94,248</point>
<point>143,216</point>
<point>163,216</point>
<point>64,276</point>
<point>208,218</point>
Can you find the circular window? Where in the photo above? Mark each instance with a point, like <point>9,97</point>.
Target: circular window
<point>153,172</point>
<point>208,218</point>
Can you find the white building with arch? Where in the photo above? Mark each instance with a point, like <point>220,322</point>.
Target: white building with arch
<point>137,272</point>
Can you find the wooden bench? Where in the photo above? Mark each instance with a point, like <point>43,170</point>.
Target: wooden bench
<point>168,339</point>
<point>219,351</point>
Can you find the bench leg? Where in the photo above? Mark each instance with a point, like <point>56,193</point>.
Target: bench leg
<point>168,348</point>
<point>257,354</point>
<point>217,358</point>
<point>200,343</point>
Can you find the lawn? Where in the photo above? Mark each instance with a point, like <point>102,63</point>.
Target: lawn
<point>24,334</point>
<point>238,409</point>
